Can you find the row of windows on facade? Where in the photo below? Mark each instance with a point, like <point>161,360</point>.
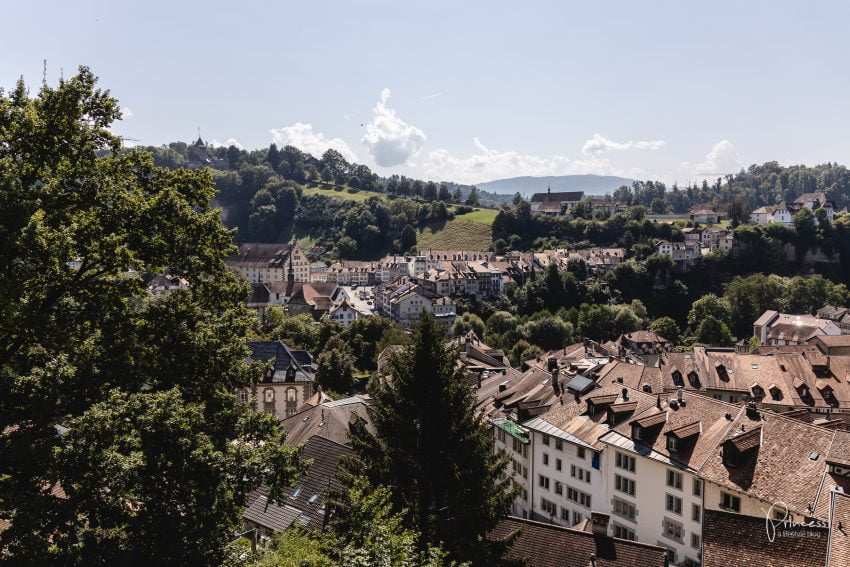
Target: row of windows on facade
<point>575,472</point>
<point>581,452</point>
<point>572,494</point>
<point>269,395</point>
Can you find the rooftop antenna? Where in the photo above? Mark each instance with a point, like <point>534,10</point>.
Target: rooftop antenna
<point>199,132</point>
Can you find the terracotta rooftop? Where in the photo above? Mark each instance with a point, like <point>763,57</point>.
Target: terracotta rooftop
<point>839,533</point>
<point>787,466</point>
<point>548,545</point>
<point>329,420</point>
<point>710,413</point>
<point>654,418</point>
<point>686,430</point>
<point>734,540</point>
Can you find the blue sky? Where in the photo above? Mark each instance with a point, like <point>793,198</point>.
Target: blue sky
<point>466,91</point>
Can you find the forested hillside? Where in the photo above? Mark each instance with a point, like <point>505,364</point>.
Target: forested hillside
<point>272,195</point>
<point>765,184</point>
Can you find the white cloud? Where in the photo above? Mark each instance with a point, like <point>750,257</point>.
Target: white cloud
<point>391,140</point>
<point>488,164</point>
<point>723,158</point>
<point>301,136</point>
<point>126,113</point>
<point>227,143</point>
<point>599,144</point>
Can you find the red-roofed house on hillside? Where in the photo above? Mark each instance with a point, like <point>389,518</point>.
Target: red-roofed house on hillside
<point>774,328</point>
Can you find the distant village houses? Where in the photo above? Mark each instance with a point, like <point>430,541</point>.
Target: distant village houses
<point>783,213</point>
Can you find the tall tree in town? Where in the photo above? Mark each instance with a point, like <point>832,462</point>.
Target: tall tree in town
<point>432,450</point>
<point>120,441</point>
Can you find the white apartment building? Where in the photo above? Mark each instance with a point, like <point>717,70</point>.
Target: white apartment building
<point>514,440</point>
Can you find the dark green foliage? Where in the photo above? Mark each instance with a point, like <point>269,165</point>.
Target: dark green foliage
<point>667,328</point>
<point>431,450</point>
<point>157,458</point>
<point>335,366</point>
<point>713,332</point>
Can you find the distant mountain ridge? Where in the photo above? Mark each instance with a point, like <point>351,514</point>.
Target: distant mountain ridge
<point>527,185</point>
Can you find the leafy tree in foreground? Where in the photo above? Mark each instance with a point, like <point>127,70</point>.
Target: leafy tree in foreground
<point>121,442</point>
<point>432,450</point>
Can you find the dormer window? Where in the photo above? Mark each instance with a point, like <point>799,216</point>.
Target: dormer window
<point>637,432</point>
<point>693,379</point>
<point>677,378</point>
<point>730,455</point>
<point>775,392</point>
<point>757,391</point>
<point>672,443</point>
<point>290,373</point>
<point>722,373</point>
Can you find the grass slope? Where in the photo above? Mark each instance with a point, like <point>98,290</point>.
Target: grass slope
<point>482,216</point>
<point>455,234</point>
<point>470,231</point>
<point>360,196</point>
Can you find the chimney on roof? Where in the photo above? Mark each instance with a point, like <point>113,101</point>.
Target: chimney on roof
<point>577,397</point>
<point>625,393</point>
<point>658,401</point>
<point>752,411</point>
<point>556,384</point>
<point>679,395</point>
<point>599,523</point>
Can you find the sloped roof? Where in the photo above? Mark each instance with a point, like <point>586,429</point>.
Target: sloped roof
<point>558,196</point>
<point>307,495</point>
<point>549,545</point>
<point>709,412</point>
<point>781,470</point>
<point>839,534</point>
<point>329,420</point>
<point>282,358</point>
<point>734,540</point>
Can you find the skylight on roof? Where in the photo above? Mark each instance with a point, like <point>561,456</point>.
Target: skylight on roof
<point>296,493</point>
<point>313,498</point>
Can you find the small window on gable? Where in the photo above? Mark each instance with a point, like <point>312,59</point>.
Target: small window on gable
<point>776,393</point>
<point>677,378</point>
<point>672,443</point>
<point>693,379</point>
<point>637,432</point>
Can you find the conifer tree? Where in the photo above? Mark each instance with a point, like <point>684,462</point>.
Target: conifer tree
<point>432,450</point>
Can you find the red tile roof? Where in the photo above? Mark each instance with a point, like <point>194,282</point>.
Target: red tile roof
<point>733,540</point>
<point>548,545</point>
